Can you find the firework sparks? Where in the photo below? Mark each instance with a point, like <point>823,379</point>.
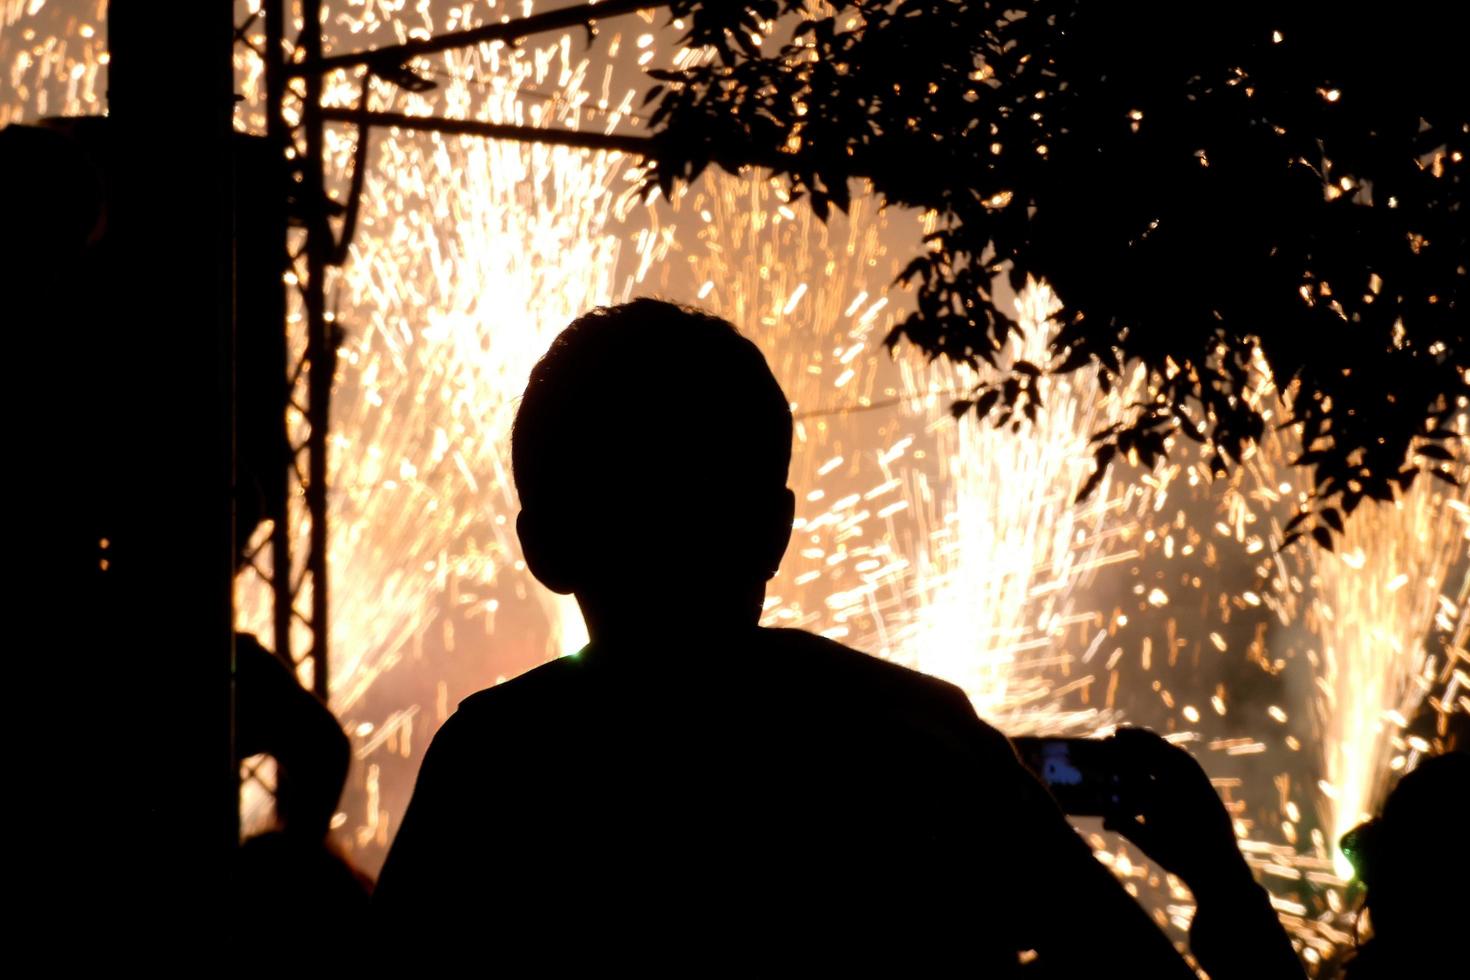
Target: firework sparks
<point>53,58</point>
<point>1377,598</point>
<point>470,256</point>
<point>953,547</point>
<point>1371,605</point>
<point>1009,547</point>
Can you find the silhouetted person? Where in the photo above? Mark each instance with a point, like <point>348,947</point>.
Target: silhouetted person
<point>59,293</point>
<point>692,790</point>
<point>291,882</point>
<point>276,716</point>
<point>1172,812</point>
<point>1413,861</point>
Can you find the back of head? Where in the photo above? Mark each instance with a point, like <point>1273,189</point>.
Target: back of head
<point>651,448</point>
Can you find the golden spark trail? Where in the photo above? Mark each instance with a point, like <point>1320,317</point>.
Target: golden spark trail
<point>1377,598</point>
<point>952,547</point>
<point>1008,545</point>
<point>1371,603</point>
<point>469,256</point>
<point>957,549</point>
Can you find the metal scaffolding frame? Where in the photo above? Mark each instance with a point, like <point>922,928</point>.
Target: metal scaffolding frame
<point>295,125</point>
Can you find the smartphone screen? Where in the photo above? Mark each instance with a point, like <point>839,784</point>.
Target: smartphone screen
<point>1081,773</point>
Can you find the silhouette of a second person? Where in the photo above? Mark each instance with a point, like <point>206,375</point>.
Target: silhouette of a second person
<point>692,789</point>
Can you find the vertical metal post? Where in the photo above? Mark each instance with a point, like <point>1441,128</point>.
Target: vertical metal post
<point>279,135</point>
<point>321,346</point>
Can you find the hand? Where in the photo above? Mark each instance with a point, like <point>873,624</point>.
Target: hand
<point>1172,812</point>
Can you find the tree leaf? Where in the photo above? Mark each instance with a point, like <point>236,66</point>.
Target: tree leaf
<point>986,402</point>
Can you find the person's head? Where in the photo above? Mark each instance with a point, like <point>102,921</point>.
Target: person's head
<point>650,452</point>
<point>1412,857</point>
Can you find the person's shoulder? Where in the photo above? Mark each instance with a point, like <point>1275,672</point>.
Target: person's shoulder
<point>258,670</point>
<point>883,683</point>
<point>251,655</point>
<point>800,650</point>
<point>535,690</point>
<point>511,709</point>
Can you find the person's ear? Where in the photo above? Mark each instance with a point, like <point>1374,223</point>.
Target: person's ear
<point>780,532</point>
<point>544,546</point>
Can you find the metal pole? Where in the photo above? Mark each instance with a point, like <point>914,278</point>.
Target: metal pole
<point>391,56</point>
<point>321,347</point>
<point>278,136</point>
<point>636,145</point>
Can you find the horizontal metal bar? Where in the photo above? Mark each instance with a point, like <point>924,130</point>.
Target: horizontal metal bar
<point>637,145</point>
<point>393,55</point>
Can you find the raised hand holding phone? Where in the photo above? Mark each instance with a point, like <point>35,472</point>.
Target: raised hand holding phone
<point>1150,791</point>
<point>1156,795</point>
<point>1083,775</point>
<point>1173,813</point>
